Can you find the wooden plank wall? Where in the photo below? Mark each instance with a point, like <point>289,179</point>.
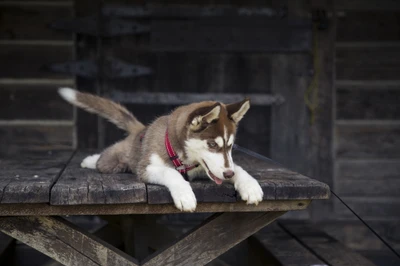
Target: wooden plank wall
<point>367,128</point>
<point>32,116</point>
<point>191,71</point>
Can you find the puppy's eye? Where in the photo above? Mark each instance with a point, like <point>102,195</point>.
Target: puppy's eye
<point>212,144</point>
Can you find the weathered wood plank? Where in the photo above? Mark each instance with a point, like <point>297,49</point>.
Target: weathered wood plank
<point>370,26</point>
<point>33,102</point>
<point>233,35</point>
<point>144,208</point>
<point>17,138</point>
<point>211,239</point>
<point>290,123</point>
<point>29,178</point>
<point>368,141</point>
<point>368,178</point>
<point>386,208</point>
<point>369,63</point>
<point>63,241</point>
<point>172,98</point>
<point>327,248</point>
<point>87,186</point>
<point>21,61</point>
<point>277,183</point>
<point>367,5</point>
<point>368,103</point>
<point>321,135</point>
<point>39,17</point>
<point>205,191</point>
<point>287,250</point>
<point>358,237</point>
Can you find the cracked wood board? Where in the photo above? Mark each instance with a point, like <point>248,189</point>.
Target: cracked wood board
<point>63,241</point>
<point>277,183</point>
<point>29,178</point>
<point>87,186</point>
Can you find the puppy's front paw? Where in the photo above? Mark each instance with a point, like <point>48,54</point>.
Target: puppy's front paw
<point>184,198</point>
<point>250,191</point>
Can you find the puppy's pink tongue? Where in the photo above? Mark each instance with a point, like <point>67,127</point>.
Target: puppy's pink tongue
<point>216,179</point>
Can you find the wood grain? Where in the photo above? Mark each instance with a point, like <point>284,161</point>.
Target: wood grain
<point>31,22</point>
<point>367,5</point>
<point>290,134</point>
<point>369,63</point>
<point>16,139</point>
<point>87,186</point>
<point>286,249</point>
<point>233,35</point>
<point>144,208</point>
<point>205,191</point>
<point>33,102</point>
<point>211,239</point>
<point>368,26</point>
<point>277,183</point>
<point>29,178</point>
<point>325,246</point>
<point>368,177</point>
<point>368,103</point>
<point>368,141</point>
<point>63,241</point>
<point>358,237</point>
<point>368,207</point>
<point>21,61</point>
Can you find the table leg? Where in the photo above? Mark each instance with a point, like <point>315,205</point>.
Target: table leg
<point>216,235</point>
<point>63,241</point>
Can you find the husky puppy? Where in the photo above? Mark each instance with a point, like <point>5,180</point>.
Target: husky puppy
<point>193,140</point>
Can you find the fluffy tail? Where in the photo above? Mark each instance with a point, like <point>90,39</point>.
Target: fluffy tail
<point>108,109</point>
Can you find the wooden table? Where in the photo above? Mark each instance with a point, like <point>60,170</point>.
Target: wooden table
<point>36,188</point>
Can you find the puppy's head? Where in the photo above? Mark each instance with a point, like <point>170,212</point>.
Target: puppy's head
<point>210,136</point>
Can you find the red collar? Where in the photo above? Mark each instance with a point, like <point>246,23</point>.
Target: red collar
<point>179,166</point>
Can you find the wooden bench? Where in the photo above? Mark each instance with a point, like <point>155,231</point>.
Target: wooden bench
<point>297,243</point>
<point>36,188</point>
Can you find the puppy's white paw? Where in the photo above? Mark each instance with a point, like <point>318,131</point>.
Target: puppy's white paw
<point>250,191</point>
<point>183,197</point>
<point>90,161</point>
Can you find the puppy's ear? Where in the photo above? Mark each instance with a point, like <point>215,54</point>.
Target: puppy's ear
<point>203,116</point>
<point>236,111</point>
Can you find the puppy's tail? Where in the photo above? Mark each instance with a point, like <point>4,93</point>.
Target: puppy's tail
<point>108,109</point>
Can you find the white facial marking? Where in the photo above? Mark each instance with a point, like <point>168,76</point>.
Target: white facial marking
<point>230,141</point>
<point>219,141</point>
<point>197,150</point>
<point>90,161</point>
<point>225,135</point>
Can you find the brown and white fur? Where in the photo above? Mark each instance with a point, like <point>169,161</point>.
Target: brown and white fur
<point>200,133</point>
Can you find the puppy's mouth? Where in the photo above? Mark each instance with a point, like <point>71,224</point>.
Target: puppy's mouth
<point>212,176</point>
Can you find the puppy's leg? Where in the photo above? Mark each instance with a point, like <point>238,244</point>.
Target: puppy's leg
<point>248,187</point>
<point>181,191</point>
<point>114,159</point>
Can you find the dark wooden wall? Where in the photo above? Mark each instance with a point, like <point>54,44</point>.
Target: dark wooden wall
<point>181,68</point>
<point>32,116</point>
<point>367,125</point>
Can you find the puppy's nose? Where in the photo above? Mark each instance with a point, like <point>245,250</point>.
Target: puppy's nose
<point>229,174</point>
